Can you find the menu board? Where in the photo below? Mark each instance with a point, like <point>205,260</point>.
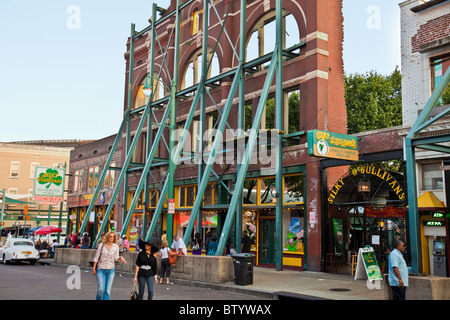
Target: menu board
<point>367,261</point>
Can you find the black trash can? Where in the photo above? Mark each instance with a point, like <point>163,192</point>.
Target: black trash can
<point>243,268</point>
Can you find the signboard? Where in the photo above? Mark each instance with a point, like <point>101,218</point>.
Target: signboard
<point>48,184</point>
<point>367,265</point>
<point>171,209</point>
<point>332,145</point>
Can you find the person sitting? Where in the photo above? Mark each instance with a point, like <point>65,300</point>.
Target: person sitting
<point>43,249</point>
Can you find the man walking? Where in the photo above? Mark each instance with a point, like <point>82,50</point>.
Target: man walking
<point>398,271</point>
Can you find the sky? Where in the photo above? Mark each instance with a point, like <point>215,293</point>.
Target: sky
<point>62,66</point>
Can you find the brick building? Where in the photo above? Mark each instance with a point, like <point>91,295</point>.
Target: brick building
<point>86,165</point>
<point>312,75</point>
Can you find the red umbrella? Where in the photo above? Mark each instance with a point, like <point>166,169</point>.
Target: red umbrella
<point>48,230</point>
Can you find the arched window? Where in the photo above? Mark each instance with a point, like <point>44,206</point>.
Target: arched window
<point>263,36</point>
<point>193,71</point>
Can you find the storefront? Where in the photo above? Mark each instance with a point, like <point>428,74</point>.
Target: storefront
<point>365,207</point>
<point>258,217</point>
<point>77,214</point>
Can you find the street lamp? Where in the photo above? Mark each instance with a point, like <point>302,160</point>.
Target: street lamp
<point>147,89</point>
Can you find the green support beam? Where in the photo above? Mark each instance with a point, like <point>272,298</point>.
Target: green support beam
<point>248,152</point>
<point>411,142</point>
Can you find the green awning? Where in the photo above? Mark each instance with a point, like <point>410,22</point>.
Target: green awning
<point>10,200</point>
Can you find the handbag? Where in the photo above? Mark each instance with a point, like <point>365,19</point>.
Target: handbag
<point>172,258</point>
<point>99,258</point>
<point>134,294</point>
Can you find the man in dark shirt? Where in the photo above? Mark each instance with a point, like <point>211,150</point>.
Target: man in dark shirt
<point>246,241</point>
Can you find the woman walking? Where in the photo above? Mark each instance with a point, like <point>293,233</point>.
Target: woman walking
<point>165,266</point>
<point>104,265</point>
<point>146,270</point>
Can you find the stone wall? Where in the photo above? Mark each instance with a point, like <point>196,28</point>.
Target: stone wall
<point>209,269</point>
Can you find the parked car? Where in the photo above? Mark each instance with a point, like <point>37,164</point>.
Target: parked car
<point>18,249</point>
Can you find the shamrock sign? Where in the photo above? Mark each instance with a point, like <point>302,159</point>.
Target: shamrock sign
<point>48,177</point>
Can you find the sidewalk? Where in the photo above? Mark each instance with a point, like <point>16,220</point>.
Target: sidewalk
<point>266,282</point>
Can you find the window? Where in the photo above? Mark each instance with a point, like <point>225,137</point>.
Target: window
<point>12,192</point>
<point>432,177</point>
<point>263,36</point>
<point>78,181</point>
<point>15,168</point>
<point>196,22</point>
<point>193,70</point>
<point>93,178</point>
<point>33,169</point>
<point>110,177</point>
<point>292,113</point>
<point>438,68</point>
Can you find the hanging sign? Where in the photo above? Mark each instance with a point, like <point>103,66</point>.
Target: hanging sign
<point>367,265</point>
<point>48,184</point>
<point>332,145</point>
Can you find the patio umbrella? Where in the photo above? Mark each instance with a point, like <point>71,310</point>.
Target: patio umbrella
<point>48,230</point>
<point>32,230</point>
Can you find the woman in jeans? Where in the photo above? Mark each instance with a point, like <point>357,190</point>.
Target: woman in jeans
<point>165,266</point>
<point>146,270</point>
<point>106,256</point>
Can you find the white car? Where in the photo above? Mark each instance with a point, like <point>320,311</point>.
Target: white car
<point>18,249</point>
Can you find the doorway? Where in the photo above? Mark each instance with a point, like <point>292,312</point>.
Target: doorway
<point>267,242</point>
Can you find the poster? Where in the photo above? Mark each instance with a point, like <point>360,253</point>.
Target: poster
<point>338,232</point>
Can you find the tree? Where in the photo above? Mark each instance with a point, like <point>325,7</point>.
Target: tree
<point>373,101</point>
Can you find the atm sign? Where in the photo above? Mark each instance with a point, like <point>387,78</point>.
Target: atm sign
<point>434,223</point>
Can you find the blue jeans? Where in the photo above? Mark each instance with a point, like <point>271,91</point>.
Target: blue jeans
<point>105,278</point>
<point>141,282</point>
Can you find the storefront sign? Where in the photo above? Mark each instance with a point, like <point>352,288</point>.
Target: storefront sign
<point>368,261</point>
<point>48,184</point>
<point>369,170</point>
<point>332,145</point>
<point>388,212</point>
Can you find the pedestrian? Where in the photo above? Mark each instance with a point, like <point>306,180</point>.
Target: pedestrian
<point>164,236</point>
<point>146,269</point>
<point>126,244</point>
<point>85,241</point>
<point>106,256</point>
<point>73,239</point>
<point>165,266</point>
<point>54,245</point>
<point>119,242</point>
<point>179,245</point>
<point>197,245</point>
<point>67,242</point>
<point>245,242</point>
<point>208,240</point>
<point>212,247</point>
<point>398,271</point>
